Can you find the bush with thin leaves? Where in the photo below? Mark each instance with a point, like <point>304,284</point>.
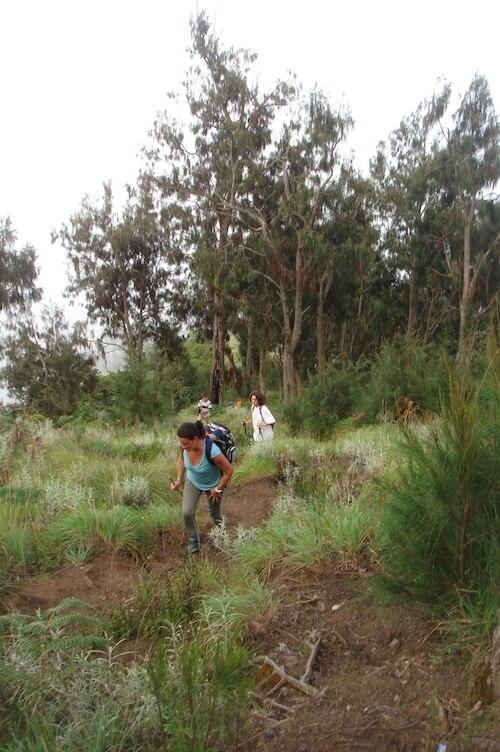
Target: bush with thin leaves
<point>439,534</point>
<point>202,689</point>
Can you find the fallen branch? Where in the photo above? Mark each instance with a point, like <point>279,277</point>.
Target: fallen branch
<point>313,599</point>
<point>291,680</point>
<point>276,687</point>
<point>273,703</point>
<point>267,719</point>
<point>310,663</point>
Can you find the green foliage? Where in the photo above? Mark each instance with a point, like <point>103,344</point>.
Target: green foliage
<point>408,368</point>
<point>18,271</point>
<point>64,687</point>
<point>156,386</point>
<point>46,369</point>
<point>304,531</point>
<point>325,399</point>
<point>132,491</point>
<point>226,611</point>
<point>440,527</point>
<point>124,264</point>
<point>201,687</point>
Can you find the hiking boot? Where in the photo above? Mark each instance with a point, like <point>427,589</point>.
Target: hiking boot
<point>193,546</point>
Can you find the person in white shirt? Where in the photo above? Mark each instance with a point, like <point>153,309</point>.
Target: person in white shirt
<point>262,418</point>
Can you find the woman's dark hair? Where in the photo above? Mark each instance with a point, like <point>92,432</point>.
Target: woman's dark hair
<point>194,430</point>
<point>259,397</point>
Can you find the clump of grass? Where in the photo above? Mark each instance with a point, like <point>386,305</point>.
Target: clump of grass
<point>304,531</point>
<point>160,602</point>
<point>226,611</point>
<point>254,467</point>
<point>60,495</point>
<point>133,491</point>
<point>375,447</point>
<point>89,529</point>
<point>64,687</point>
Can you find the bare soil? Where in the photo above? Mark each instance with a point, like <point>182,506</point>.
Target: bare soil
<point>383,679</point>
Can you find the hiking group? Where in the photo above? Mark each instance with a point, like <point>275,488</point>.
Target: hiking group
<point>205,460</point>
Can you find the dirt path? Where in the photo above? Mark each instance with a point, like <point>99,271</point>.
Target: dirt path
<point>110,578</point>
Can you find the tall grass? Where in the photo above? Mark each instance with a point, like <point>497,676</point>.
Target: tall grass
<point>304,531</point>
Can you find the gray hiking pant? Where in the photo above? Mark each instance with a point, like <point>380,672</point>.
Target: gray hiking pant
<point>190,497</point>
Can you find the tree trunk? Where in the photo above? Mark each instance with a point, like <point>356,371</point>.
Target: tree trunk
<point>249,357</point>
<point>466,287</point>
<point>218,350</point>
<point>343,331</point>
<point>428,323</point>
<point>320,330</point>
<point>288,371</point>
<point>292,332</point>
<point>262,374</point>
<point>412,303</point>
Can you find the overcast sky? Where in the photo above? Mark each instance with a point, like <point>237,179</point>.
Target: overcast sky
<point>81,82</point>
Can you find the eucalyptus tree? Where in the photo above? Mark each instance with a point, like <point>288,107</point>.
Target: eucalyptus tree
<point>18,271</point>
<point>405,174</point>
<point>346,228</point>
<point>202,167</point>
<point>470,173</point>
<point>285,207</point>
<point>48,364</point>
<point>125,265</point>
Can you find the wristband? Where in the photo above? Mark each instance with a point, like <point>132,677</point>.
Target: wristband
<point>218,490</point>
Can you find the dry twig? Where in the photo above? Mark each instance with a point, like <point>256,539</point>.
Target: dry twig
<point>310,663</point>
<point>291,680</point>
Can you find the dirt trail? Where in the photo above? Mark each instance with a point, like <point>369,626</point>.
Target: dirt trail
<point>110,578</point>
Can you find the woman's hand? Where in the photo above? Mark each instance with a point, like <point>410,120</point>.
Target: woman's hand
<point>175,484</point>
<point>215,494</point>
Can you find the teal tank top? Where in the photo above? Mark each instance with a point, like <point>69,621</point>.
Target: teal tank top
<point>204,475</point>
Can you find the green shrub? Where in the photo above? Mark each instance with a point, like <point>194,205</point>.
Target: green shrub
<point>158,603</point>
<point>405,367</point>
<point>60,692</point>
<point>440,529</point>
<point>325,399</point>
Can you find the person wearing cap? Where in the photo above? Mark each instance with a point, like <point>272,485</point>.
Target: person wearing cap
<point>204,408</point>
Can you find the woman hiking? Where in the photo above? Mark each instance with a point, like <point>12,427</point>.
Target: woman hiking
<point>262,418</point>
<point>203,475</point>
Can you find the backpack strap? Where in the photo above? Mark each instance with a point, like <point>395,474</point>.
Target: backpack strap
<point>208,450</point>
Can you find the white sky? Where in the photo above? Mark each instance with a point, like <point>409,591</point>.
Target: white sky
<point>81,82</point>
